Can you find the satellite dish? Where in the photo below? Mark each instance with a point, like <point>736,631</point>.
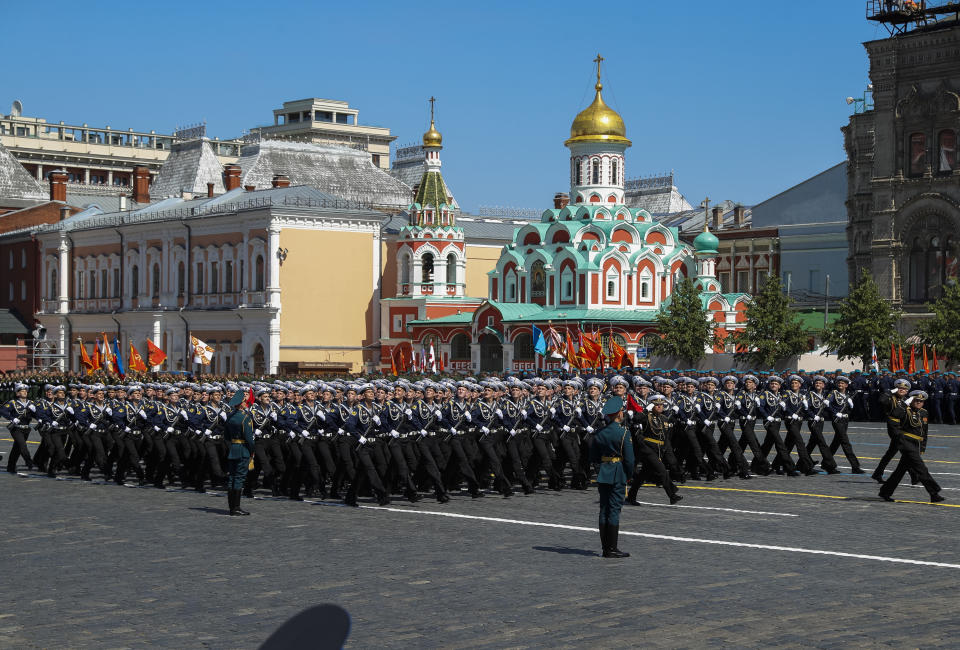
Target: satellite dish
<point>16,110</point>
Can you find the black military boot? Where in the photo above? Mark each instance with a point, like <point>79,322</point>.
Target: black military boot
<point>237,497</point>
<point>231,504</point>
<point>603,539</point>
<point>613,532</point>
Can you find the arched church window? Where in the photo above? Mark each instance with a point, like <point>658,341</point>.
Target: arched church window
<point>510,287</point>
<point>523,347</point>
<point>260,279</point>
<point>947,147</point>
<point>460,348</point>
<point>613,172</point>
<point>405,269</point>
<point>918,154</point>
<point>595,172</point>
<point>427,265</point>
<point>577,172</point>
<point>538,280</point>
<point>918,288</point>
<point>566,284</point>
<point>451,269</point>
<point>613,284</point>
<point>54,289</point>
<point>934,268</point>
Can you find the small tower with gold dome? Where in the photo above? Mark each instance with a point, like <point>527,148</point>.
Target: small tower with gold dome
<point>597,143</point>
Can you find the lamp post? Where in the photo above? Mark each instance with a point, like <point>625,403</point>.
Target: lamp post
<point>862,104</point>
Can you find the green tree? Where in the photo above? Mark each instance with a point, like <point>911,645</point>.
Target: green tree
<point>685,329</point>
<point>865,319</point>
<point>943,330</point>
<point>773,331</point>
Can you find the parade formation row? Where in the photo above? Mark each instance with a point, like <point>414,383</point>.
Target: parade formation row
<point>343,440</point>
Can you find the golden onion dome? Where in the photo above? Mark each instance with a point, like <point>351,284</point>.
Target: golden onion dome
<point>598,123</point>
<point>432,138</point>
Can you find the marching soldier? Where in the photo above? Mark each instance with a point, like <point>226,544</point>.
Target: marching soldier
<point>912,443</point>
<point>20,412</point>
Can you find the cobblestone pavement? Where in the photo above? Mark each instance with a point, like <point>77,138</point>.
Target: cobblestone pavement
<point>771,561</point>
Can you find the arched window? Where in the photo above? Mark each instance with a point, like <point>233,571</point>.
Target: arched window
<point>155,282</point>
<point>427,268</point>
<point>104,286</point>
<point>645,287</point>
<point>614,178</point>
<point>92,287</point>
<point>451,269</point>
<point>918,288</point>
<point>23,289</point>
<point>54,290</point>
<point>405,269</point>
<point>947,147</point>
<point>199,277</point>
<point>134,281</point>
<point>523,347</point>
<point>23,258</point>
<point>460,348</point>
<point>595,171</point>
<point>918,154</point>
<point>214,277</point>
<point>566,284</point>
<point>577,172</point>
<point>934,267</point>
<point>538,282</point>
<point>613,284</point>
<point>510,287</point>
<point>181,279</point>
<point>228,276</point>
<point>259,282</point>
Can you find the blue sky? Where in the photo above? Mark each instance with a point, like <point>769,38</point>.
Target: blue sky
<point>741,100</point>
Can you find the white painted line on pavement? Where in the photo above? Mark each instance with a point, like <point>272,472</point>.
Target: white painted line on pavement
<point>748,512</point>
<point>674,538</point>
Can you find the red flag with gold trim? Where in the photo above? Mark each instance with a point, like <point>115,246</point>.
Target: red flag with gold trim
<point>135,361</point>
<point>155,356</point>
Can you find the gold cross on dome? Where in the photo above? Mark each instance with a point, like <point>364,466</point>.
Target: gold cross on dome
<point>432,101</point>
<point>598,61</point>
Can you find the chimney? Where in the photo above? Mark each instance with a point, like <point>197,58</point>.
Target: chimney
<point>209,190</point>
<point>249,188</point>
<point>739,216</point>
<point>717,217</point>
<point>280,180</point>
<point>141,184</point>
<point>58,185</point>
<point>64,212</point>
<point>561,200</point>
<point>123,203</point>
<point>231,177</point>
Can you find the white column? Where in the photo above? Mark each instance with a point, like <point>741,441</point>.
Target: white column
<point>440,276</point>
<point>416,275</point>
<point>273,352</point>
<point>63,277</point>
<point>110,178</point>
<point>86,175</point>
<point>273,281</point>
<point>39,172</point>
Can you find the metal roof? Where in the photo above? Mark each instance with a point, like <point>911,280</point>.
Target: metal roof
<point>15,181</point>
<point>10,324</point>
<point>188,168</point>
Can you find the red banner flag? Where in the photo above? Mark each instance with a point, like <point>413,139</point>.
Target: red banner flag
<point>135,361</point>
<point>926,362</point>
<point>85,360</point>
<point>571,354</point>
<point>97,356</point>
<point>936,366</point>
<point>155,356</point>
<point>893,358</point>
<point>912,368</point>
<point>900,365</point>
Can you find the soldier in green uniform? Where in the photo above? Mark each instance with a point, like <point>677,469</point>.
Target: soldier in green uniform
<point>612,450</point>
<point>239,429</point>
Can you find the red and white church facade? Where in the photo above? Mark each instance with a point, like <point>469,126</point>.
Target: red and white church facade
<point>594,265</point>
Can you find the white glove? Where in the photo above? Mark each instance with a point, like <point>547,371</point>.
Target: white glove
<point>141,413</point>
<point>566,429</point>
<point>92,427</point>
<point>223,415</point>
<point>538,428</point>
<point>126,429</point>
<point>553,411</point>
<point>850,402</point>
<point>15,421</point>
<point>698,408</point>
<point>69,410</point>
<point>292,435</point>
<point>578,411</point>
<point>394,433</point>
<point>485,429</point>
<point>499,413</point>
<point>32,407</point>
<point>258,432</point>
<point>304,434</point>
<point>630,414</point>
<point>523,414</point>
<point>726,419</point>
<point>783,405</point>
<point>110,411</point>
<point>207,432</point>
<point>817,418</point>
<point>423,432</point>
<point>513,432</point>
<point>676,409</point>
<point>453,431</point>
<point>324,417</point>
<point>844,415</point>
<point>363,440</point>
<point>707,422</point>
<point>273,415</point>
<point>769,418</point>
<point>467,416</point>
<point>341,431</point>
<point>893,391</point>
<point>908,401</point>
<point>169,429</point>
<point>795,417</point>
<point>407,412</point>
<point>589,429</point>
<point>751,417</point>
<point>376,419</point>
<point>156,428</point>
<point>757,400</point>
<point>690,422</point>
<point>737,402</point>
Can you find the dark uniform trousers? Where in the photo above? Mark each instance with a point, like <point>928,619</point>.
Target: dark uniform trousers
<point>817,441</point>
<point>728,440</point>
<point>773,440</point>
<point>842,440</point>
<point>19,433</point>
<point>910,461</point>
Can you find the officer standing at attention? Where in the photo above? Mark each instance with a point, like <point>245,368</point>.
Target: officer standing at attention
<point>239,428</point>
<point>612,450</point>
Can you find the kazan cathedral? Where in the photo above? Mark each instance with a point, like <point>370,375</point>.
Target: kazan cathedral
<point>591,264</point>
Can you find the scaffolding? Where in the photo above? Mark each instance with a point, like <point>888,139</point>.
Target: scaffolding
<point>45,354</point>
<point>900,16</point>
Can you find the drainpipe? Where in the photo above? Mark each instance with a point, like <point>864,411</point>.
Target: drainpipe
<point>189,262</point>
<point>122,256</point>
<point>186,337</point>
